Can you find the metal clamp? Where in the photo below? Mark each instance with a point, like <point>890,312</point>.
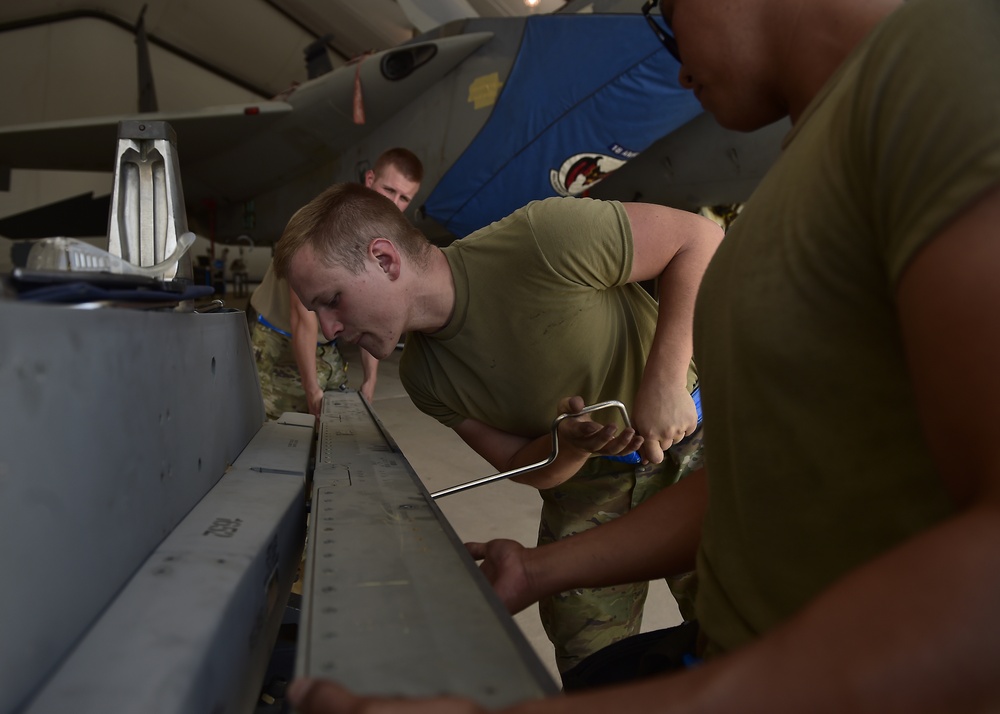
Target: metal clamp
<point>541,464</point>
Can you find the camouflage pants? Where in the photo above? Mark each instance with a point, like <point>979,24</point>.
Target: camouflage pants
<point>280,384</point>
<point>581,622</point>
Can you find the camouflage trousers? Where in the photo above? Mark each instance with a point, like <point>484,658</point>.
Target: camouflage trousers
<point>280,383</point>
<point>581,622</point>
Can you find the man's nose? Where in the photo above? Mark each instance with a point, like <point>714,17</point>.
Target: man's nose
<point>331,326</point>
<point>685,78</point>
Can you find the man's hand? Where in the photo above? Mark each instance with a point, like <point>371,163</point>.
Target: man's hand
<point>369,368</point>
<point>503,565</point>
<point>584,434</point>
<point>305,327</point>
<point>663,417</point>
<point>368,390</point>
<point>318,696</point>
<point>314,400</point>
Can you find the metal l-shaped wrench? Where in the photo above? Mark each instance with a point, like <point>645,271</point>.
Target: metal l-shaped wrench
<point>540,464</point>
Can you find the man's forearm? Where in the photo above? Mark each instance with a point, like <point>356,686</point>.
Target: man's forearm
<point>656,539</point>
<point>673,248</point>
<point>670,353</point>
<point>568,461</point>
<point>304,349</point>
<point>369,369</point>
<point>305,327</point>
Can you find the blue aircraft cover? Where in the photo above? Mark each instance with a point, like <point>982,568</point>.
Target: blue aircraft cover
<point>586,93</point>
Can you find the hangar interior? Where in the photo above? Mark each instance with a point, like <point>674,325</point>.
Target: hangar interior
<point>73,60</point>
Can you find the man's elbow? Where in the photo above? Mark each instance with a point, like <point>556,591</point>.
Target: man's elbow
<point>711,233</point>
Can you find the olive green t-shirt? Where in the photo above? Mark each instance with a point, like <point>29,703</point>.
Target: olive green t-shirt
<point>543,310</point>
<point>813,445</point>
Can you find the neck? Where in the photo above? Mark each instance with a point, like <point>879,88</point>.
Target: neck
<point>822,35</point>
<point>432,294</point>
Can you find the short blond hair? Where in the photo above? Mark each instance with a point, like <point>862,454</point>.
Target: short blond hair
<point>405,161</point>
<point>341,222</point>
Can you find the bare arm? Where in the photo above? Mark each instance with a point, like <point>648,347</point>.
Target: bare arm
<point>369,366</point>
<point>673,247</point>
<point>305,327</point>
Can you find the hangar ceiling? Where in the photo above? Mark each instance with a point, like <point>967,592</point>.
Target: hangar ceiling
<point>70,59</point>
<point>257,45</point>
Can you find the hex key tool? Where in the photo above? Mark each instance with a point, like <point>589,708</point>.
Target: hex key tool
<point>541,464</point>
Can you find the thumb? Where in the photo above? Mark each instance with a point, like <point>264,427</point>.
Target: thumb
<point>570,405</point>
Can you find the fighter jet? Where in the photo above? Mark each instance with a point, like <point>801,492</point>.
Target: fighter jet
<point>502,111</point>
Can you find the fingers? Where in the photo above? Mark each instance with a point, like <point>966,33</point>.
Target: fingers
<point>316,696</point>
<point>654,449</point>
<point>625,443</point>
<point>599,439</point>
<point>319,696</point>
<point>592,431</point>
<point>476,550</point>
<point>652,452</point>
<point>589,435</point>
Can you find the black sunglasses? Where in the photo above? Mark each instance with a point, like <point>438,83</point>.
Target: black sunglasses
<point>664,35</point>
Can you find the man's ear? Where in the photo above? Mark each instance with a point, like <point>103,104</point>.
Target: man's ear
<point>384,251</point>
<point>369,178</point>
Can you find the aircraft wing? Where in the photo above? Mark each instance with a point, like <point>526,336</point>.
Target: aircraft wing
<point>322,125</point>
<point>231,153</point>
<point>89,144</point>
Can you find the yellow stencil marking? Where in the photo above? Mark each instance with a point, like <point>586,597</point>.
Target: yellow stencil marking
<point>484,90</point>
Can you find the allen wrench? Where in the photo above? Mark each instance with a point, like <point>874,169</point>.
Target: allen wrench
<point>540,464</point>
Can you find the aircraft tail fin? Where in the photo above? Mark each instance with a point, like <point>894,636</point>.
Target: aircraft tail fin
<point>317,59</point>
<point>147,90</point>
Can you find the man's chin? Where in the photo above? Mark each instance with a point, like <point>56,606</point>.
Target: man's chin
<point>375,349</point>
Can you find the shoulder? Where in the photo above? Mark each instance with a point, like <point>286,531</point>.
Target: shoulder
<point>559,224</point>
<point>574,210</point>
<point>938,50</point>
<point>550,225</point>
<point>926,116</point>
